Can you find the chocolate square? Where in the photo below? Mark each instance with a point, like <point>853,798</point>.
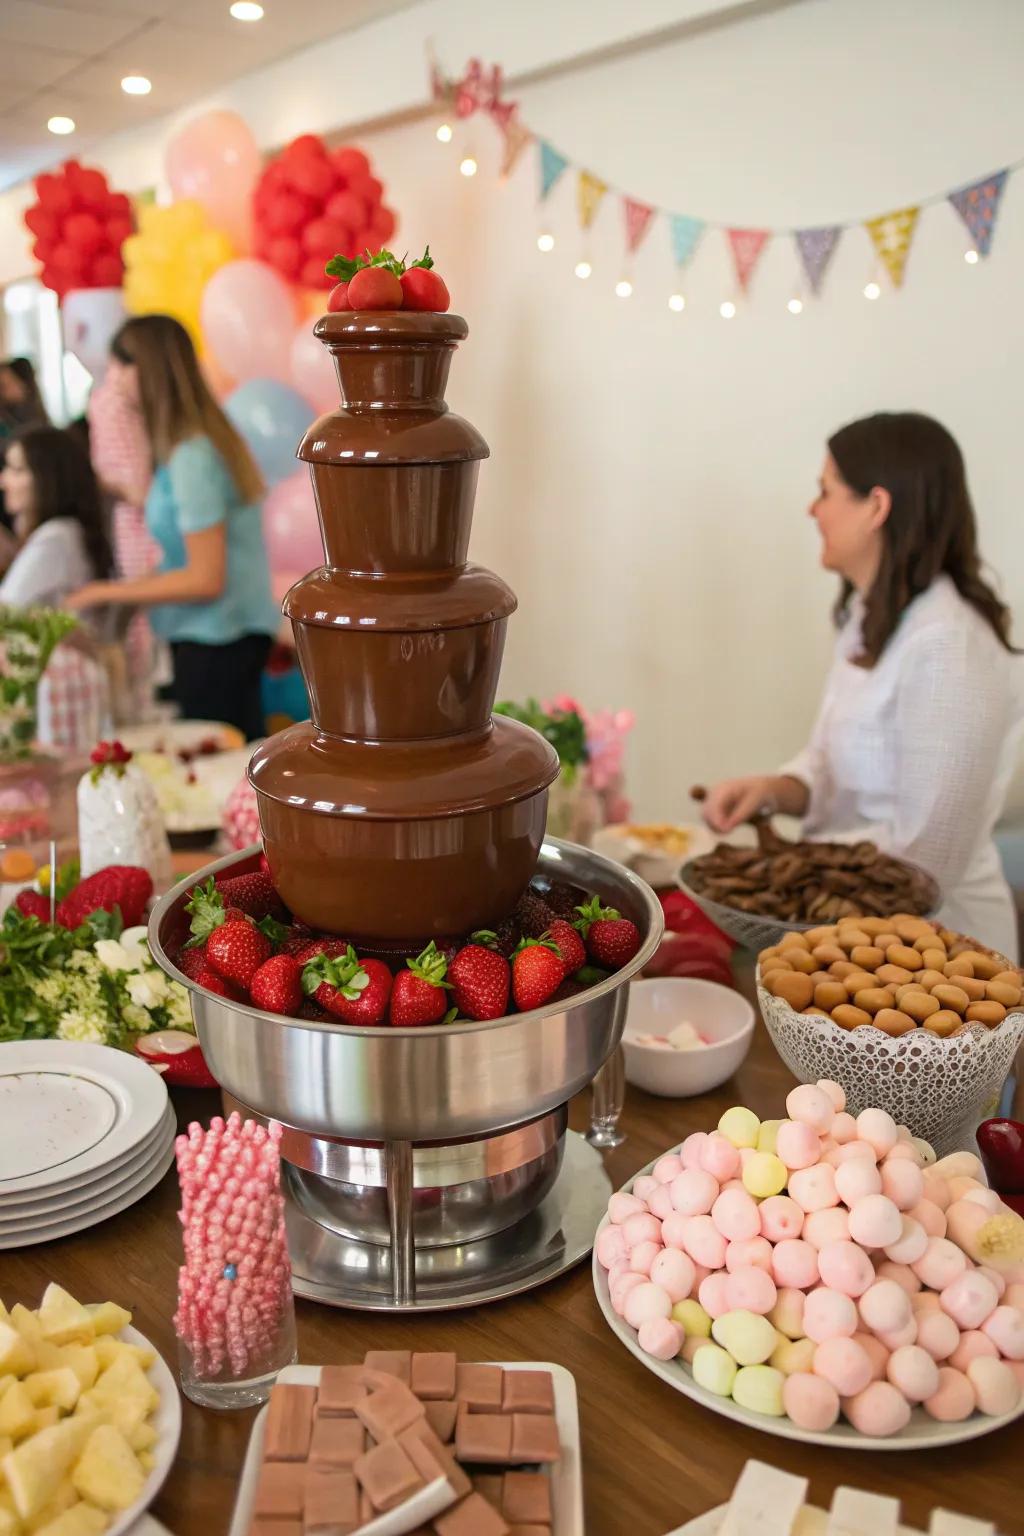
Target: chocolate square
<point>340,1389</point>
<point>332,1502</point>
<point>535,1438</point>
<point>526,1498</point>
<point>289,1423</point>
<point>479,1387</point>
<point>393,1362</point>
<point>441,1418</point>
<point>387,1475</point>
<point>472,1517</point>
<point>275,1528</point>
<point>441,1454</point>
<point>483,1437</point>
<point>280,1491</point>
<point>433,1375</point>
<point>387,1412</point>
<point>336,1442</point>
<point>528,1392</point>
<point>529,1530</point>
<point>489,1486</point>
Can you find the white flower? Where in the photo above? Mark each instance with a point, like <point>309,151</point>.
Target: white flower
<point>179,1008</point>
<point>136,1019</point>
<point>134,943</point>
<point>113,956</point>
<point>147,990</point>
<point>77,1026</point>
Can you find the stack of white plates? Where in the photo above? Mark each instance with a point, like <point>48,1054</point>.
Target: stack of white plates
<point>85,1131</point>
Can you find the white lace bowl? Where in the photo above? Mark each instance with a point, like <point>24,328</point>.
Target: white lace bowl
<point>941,1089</point>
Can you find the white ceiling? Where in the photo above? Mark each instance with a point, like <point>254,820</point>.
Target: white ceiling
<point>68,57</point>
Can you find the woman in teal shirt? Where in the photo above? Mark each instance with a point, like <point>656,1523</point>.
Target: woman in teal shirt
<point>210,595</point>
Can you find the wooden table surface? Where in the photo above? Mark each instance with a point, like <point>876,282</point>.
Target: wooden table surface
<point>652,1459</point>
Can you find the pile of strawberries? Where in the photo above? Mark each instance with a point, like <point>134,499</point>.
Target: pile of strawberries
<point>122,886</point>
<point>244,946</point>
<point>381,280</point>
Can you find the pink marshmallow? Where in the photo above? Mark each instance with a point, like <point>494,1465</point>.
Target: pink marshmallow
<point>902,1274</point>
<point>913,1372</point>
<point>903,1152</point>
<point>617,1270</point>
<point>814,1189</point>
<point>875,1222</point>
<point>849,1151</point>
<point>843,1128</point>
<point>694,1192</point>
<point>713,1295</point>
<point>719,1157</point>
<point>937,1333</point>
<point>644,1186</point>
<point>829,1315</point>
<point>734,1184</point>
<point>996,1388</point>
<point>781,1217</point>
<point>621,1205</point>
<point>667,1168</point>
<point>878,1128</point>
<point>843,1364</point>
<point>929,1216</point>
<point>756,1251</point>
<point>940,1264</point>
<point>750,1290</point>
<point>692,1147</point>
<point>661,1338</point>
<point>1005,1327</point>
<point>645,1303</point>
<point>700,1274</point>
<point>660,1203</point>
<point>810,1401</point>
<point>643,1256</point>
<point>641,1228</point>
<point>621,1289</point>
<point>1013,1296</point>
<point>610,1246</point>
<point>795,1263</point>
<point>876,1353</point>
<point>969,1299</point>
<point>924,1301</point>
<point>885,1307</point>
<point>911,1243</point>
<point>811,1106</point>
<point>703,1242</point>
<point>973,1345</point>
<point>986,1198</point>
<point>846,1267</point>
<point>673,1230</point>
<point>691,1344</point>
<point>999,1281</point>
<point>823,1227</point>
<point>856,1179</point>
<point>797,1144</point>
<point>834,1092</point>
<point>880,1410</point>
<point>902,1181</point>
<point>736,1216</point>
<point>936,1189</point>
<point>674,1272</point>
<point>899,1338</point>
<point>788,1313</point>
<point>953,1399</point>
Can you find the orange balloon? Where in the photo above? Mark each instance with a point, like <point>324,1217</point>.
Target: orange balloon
<point>312,303</point>
<point>219,380</point>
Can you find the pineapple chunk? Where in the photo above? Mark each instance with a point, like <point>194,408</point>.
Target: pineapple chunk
<point>60,1387</point>
<point>17,1412</point>
<point>147,1461</point>
<point>6,1444</point>
<point>107,1316</point>
<point>108,1473</point>
<point>80,1358</point>
<point>34,1467</point>
<point>45,1417</point>
<point>141,1438</point>
<point>3,1312</point>
<point>10,1525</point>
<point>16,1353</point>
<point>5,1382</point>
<point>63,1498</point>
<point>126,1414</point>
<point>126,1379</point>
<point>27,1323</point>
<point>81,1520</point>
<point>64,1320</point>
<point>108,1350</point>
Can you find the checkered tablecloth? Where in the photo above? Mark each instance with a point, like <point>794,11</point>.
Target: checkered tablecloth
<point>74,711</point>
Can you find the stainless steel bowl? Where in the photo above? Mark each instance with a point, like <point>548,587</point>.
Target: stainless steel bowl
<point>446,1083</point>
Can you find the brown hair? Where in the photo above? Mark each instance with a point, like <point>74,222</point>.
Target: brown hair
<point>176,400</point>
<point>930,530</point>
<point>30,411</point>
<point>63,485</point>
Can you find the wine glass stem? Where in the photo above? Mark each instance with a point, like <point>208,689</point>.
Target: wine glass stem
<point>607,1096</point>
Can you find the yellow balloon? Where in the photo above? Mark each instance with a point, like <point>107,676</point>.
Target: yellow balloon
<point>170,261</point>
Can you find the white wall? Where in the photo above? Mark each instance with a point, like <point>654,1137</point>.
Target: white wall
<point>650,471</point>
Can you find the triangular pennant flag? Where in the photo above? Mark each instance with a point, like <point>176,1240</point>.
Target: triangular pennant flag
<point>685,233</point>
<point>817,247</point>
<point>590,191</point>
<point>516,139</point>
<point>638,221</point>
<point>978,205</point>
<point>552,164</point>
<point>747,246</point>
<point>891,234</point>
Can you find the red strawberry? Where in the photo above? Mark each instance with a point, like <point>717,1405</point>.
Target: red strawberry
<point>504,937</point>
<point>569,944</point>
<point>33,904</point>
<point>612,940</point>
<point>537,973</point>
<point>337,298</point>
<point>419,995</point>
<point>119,885</point>
<point>311,949</point>
<point>374,288</point>
<point>236,950</point>
<point>352,989</point>
<point>214,983</point>
<point>277,985</point>
<point>253,893</point>
<point>208,911</point>
<point>480,980</point>
<point>192,962</point>
<point>424,290</point>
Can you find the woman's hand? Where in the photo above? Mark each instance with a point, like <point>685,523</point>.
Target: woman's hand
<point>731,802</point>
<point>92,595</point>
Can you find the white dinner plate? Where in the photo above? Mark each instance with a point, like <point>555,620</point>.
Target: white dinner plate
<point>922,1433</point>
<point>709,1523</point>
<point>20,1207</point>
<point>121,1181</point>
<point>167,1423</point>
<point>98,1213</point>
<point>566,1474</point>
<point>74,1108</point>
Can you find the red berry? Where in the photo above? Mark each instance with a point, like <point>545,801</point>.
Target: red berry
<point>192,961</point>
<point>537,974</point>
<point>570,945</point>
<point>425,289</point>
<point>337,298</point>
<point>214,983</point>
<point>277,985</point>
<point>236,950</point>
<point>350,988</point>
<point>480,979</point>
<point>612,940</point>
<point>124,886</point>
<point>375,288</point>
<point>253,893</point>
<point>33,904</point>
<point>419,994</point>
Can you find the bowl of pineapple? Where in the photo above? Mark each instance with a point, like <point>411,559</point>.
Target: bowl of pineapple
<point>89,1419</point>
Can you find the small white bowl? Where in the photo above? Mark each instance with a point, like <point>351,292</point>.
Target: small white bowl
<point>718,1013</point>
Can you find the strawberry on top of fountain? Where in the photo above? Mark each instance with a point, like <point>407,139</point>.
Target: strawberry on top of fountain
<point>382,280</point>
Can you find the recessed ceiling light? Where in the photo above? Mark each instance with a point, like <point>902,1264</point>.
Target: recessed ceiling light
<point>61,124</point>
<point>247,10</point>
<point>136,85</point>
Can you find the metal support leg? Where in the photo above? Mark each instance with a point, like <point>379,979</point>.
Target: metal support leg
<point>607,1096</point>
<point>398,1160</point>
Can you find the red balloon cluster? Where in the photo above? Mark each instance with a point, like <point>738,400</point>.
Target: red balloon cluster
<point>312,203</point>
<point>79,226</point>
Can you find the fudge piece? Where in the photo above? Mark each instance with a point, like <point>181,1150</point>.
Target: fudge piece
<point>387,1412</point>
<point>479,1387</point>
<point>534,1438</point>
<point>433,1375</point>
<point>489,1486</point>
<point>332,1502</point>
<point>336,1442</point>
<point>472,1517</point>
<point>289,1423</point>
<point>528,1392</point>
<point>441,1454</point>
<point>529,1530</point>
<point>276,1528</point>
<point>387,1475</point>
<point>441,1418</point>
<point>485,1437</point>
<point>341,1387</point>
<point>280,1491</point>
<point>526,1498</point>
<point>393,1362</point>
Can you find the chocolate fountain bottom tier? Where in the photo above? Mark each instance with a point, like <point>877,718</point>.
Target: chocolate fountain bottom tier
<point>385,841</point>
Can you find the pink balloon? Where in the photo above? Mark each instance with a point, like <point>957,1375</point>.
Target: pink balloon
<point>215,160</point>
<point>291,529</point>
<point>313,372</point>
<point>248,319</point>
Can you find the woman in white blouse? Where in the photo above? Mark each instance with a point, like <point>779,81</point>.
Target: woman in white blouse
<point>53,499</point>
<point>915,740</point>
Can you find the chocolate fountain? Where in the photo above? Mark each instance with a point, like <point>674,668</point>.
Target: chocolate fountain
<point>426,1167</point>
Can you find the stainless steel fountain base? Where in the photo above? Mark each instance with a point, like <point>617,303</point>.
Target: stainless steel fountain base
<point>341,1272</point>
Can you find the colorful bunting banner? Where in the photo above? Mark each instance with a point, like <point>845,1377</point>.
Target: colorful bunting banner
<point>685,233</point>
<point>747,246</point>
<point>978,205</point>
<point>638,221</point>
<point>590,191</point>
<point>516,139</point>
<point>891,234</point>
<point>552,164</point>
<point>816,248</point>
